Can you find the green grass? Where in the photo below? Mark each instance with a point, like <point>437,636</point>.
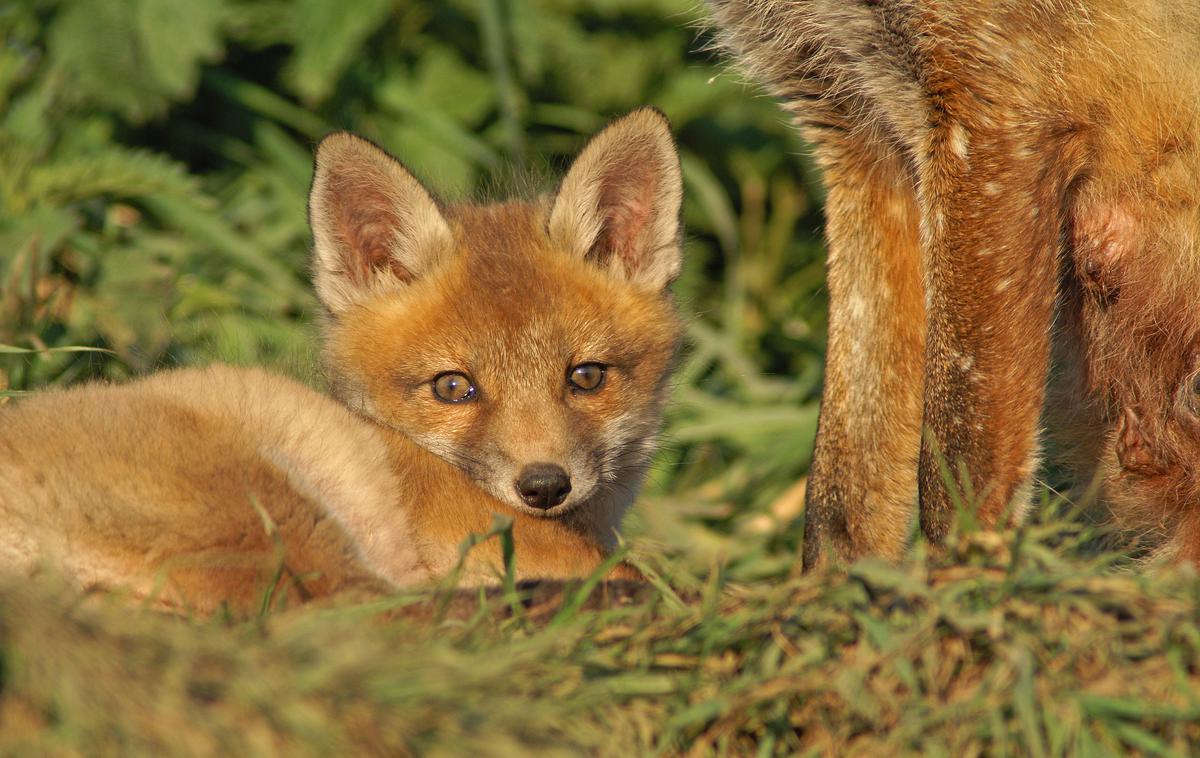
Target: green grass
<point>154,160</point>
<point>1022,643</point>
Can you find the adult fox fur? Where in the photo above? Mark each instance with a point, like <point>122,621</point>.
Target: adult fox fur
<point>508,358</point>
<point>1012,184</point>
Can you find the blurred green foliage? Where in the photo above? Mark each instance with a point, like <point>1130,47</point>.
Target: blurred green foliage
<point>155,158</point>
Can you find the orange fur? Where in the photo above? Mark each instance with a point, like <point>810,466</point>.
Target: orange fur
<point>204,487</point>
<point>1040,157</point>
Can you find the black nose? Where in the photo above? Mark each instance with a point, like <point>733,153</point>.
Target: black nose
<point>543,485</point>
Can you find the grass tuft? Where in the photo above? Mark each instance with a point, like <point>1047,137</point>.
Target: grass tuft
<point>984,649</point>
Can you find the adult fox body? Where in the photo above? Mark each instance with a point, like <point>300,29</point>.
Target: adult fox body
<point>1012,183</point>
<point>508,358</point>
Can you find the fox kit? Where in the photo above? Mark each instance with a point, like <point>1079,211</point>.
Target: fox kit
<point>1012,184</point>
<point>488,359</point>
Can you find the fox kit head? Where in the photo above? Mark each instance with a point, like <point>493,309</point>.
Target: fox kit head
<point>527,343</point>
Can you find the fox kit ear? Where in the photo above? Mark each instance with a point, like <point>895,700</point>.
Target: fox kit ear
<point>618,205</point>
<point>375,228</point>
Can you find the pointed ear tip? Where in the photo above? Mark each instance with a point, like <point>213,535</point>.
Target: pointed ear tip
<point>650,116</point>
<point>647,125</point>
<point>342,144</point>
<point>335,141</point>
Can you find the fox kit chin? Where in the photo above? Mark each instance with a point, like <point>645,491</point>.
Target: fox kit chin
<point>488,359</point>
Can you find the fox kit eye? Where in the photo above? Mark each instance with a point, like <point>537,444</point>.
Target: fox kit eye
<point>452,387</point>
<point>587,376</point>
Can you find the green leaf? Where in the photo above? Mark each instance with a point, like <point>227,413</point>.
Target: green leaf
<point>14,350</point>
<point>133,57</point>
<point>175,37</point>
<point>328,37</point>
<point>115,172</point>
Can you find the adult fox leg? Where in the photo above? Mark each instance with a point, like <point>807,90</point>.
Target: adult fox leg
<point>962,90</point>
<point>991,299</point>
<point>863,486</point>
<point>995,168</point>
